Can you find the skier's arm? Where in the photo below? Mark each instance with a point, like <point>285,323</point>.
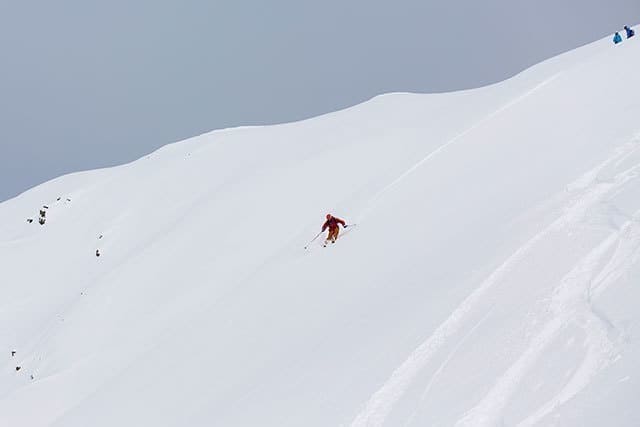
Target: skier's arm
<point>341,221</point>
<point>325,225</point>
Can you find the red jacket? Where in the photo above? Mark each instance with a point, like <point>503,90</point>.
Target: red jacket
<point>332,223</point>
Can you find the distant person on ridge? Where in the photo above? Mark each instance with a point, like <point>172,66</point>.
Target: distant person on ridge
<point>332,223</point>
<point>617,38</point>
<point>630,32</point>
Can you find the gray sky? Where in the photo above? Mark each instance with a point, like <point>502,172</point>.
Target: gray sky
<point>90,84</point>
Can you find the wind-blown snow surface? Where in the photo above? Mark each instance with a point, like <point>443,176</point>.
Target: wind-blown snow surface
<point>492,277</point>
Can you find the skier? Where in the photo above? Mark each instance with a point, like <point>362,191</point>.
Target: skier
<point>332,223</point>
<point>630,32</point>
<point>616,38</point>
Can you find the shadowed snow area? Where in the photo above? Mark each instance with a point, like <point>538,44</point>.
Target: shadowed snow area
<point>491,277</point>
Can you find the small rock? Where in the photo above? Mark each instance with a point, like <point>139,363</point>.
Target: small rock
<point>18,368</point>
<point>29,220</point>
<point>13,353</point>
<point>97,252</point>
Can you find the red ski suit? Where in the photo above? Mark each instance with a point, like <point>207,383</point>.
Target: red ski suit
<point>334,229</point>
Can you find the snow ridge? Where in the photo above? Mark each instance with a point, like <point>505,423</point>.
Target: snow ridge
<point>492,278</point>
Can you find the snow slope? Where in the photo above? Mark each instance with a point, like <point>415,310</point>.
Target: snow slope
<point>492,277</point>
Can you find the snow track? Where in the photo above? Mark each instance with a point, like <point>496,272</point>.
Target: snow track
<point>590,190</point>
<point>372,203</point>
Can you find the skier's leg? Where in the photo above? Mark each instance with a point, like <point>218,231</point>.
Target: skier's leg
<point>334,234</point>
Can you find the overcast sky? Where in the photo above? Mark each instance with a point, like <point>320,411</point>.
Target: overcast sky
<point>87,84</point>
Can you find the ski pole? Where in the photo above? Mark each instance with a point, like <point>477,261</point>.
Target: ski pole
<point>312,240</point>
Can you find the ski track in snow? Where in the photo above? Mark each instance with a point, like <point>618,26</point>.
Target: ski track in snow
<point>453,352</point>
<point>568,305</point>
<point>452,141</point>
<point>590,191</point>
<point>600,350</point>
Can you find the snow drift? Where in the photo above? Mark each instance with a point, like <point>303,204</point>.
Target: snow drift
<point>491,279</point>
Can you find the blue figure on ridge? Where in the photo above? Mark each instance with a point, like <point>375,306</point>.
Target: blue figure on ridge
<point>630,32</point>
<point>617,38</point>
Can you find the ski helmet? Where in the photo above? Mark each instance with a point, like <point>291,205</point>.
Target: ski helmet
<point>328,216</point>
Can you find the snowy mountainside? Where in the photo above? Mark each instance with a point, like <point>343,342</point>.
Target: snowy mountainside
<point>491,277</point>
